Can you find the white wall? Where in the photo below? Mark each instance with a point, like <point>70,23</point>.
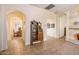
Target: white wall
<point>72,16</point>
<point>31,13</point>
<point>3,41</point>
<point>62,24</point>
<point>57,26</point>
<point>0,29</point>
<point>51,32</point>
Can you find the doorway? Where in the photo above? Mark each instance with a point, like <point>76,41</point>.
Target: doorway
<point>15,31</point>
<point>65,31</point>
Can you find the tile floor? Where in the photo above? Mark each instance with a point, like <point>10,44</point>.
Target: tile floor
<point>50,47</point>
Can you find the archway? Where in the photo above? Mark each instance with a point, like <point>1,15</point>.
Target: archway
<point>15,31</point>
<point>15,24</point>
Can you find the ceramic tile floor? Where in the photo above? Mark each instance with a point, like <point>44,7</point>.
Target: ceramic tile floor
<point>50,47</point>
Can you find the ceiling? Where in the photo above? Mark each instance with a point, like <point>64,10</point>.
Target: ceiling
<point>58,8</point>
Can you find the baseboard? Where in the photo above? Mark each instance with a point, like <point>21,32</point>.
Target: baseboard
<point>2,50</point>
<point>45,39</point>
<point>61,37</point>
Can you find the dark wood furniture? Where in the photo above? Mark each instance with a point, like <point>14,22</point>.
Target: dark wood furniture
<point>36,32</point>
<point>78,36</point>
<point>18,33</point>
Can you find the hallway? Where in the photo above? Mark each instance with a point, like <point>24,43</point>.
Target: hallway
<point>50,47</point>
<point>34,23</point>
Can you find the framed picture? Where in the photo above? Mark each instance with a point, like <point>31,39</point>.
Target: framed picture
<point>48,25</point>
<point>52,25</point>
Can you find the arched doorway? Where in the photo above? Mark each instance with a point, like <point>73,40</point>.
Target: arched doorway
<point>15,24</point>
<point>15,31</point>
